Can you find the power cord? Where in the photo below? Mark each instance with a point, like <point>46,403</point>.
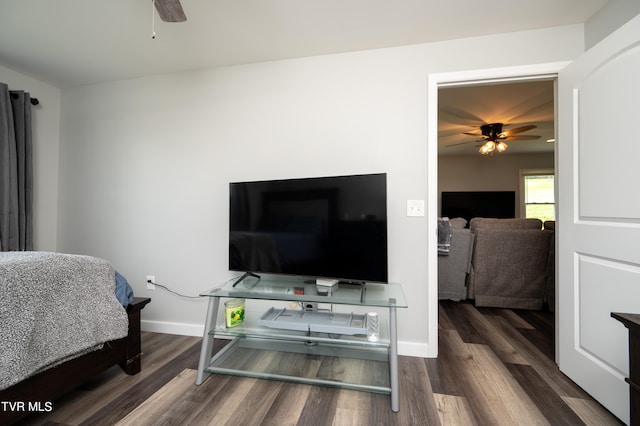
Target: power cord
<point>184,295</point>
<point>171,291</point>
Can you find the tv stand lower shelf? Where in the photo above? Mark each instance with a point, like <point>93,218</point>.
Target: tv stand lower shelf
<point>289,361</point>
<point>314,358</point>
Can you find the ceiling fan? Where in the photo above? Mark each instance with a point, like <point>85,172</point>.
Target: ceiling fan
<point>170,10</point>
<point>494,137</point>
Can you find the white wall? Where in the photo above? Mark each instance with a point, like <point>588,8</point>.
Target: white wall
<point>488,173</point>
<point>145,163</point>
<point>46,139</point>
<point>610,17</point>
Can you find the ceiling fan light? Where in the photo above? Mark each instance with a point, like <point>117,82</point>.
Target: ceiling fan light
<point>491,145</point>
<point>484,150</point>
<point>501,146</point>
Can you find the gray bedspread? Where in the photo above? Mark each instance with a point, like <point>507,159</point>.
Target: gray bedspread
<point>54,307</point>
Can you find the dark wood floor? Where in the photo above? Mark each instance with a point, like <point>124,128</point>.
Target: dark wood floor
<point>495,367</point>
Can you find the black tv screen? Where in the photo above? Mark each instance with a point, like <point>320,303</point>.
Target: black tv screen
<point>327,227</point>
<point>470,204</point>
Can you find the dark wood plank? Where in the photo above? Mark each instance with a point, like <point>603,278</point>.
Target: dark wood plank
<point>454,360</point>
<point>137,394</point>
<point>545,367</point>
<point>256,403</point>
<point>320,407</point>
<point>540,341</point>
<point>103,396</point>
<point>443,371</point>
<point>462,323</point>
<point>417,406</point>
<point>542,320</point>
<point>536,326</point>
<point>501,345</point>
<point>550,404</point>
<point>288,406</point>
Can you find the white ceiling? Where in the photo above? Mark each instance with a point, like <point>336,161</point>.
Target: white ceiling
<point>76,42</point>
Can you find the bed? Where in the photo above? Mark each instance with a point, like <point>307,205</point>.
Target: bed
<point>63,319</point>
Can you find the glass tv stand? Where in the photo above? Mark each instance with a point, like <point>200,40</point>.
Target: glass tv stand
<point>343,360</point>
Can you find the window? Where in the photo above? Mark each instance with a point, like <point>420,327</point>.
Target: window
<point>539,194</point>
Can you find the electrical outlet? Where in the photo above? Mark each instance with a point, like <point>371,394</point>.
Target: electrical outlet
<point>150,282</point>
<point>310,306</point>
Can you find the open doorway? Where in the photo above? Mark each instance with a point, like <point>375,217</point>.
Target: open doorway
<point>496,160</point>
<point>461,167</point>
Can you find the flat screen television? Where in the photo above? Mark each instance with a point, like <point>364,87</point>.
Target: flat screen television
<point>324,227</point>
<point>470,204</point>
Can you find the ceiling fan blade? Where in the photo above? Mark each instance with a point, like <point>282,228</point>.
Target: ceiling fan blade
<point>519,129</point>
<point>170,10</point>
<point>522,138</point>
<point>480,135</point>
<point>458,115</point>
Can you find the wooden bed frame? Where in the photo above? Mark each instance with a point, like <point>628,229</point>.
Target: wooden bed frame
<point>49,385</point>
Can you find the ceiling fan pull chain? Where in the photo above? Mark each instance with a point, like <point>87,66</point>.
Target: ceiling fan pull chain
<point>153,20</point>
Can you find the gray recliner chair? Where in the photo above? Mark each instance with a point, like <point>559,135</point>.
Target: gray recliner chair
<point>509,266</point>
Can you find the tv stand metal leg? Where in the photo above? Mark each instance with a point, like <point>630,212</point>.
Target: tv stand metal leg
<point>206,352</point>
<point>393,359</point>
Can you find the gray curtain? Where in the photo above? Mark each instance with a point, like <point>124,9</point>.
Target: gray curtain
<point>16,173</point>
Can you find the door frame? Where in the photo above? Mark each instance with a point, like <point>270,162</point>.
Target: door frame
<point>462,78</point>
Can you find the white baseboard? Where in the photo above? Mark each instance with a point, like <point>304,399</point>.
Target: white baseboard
<point>172,328</point>
<point>421,350</point>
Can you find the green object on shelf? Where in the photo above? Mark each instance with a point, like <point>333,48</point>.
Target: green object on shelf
<point>234,312</point>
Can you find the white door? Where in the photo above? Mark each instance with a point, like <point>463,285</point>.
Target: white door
<point>598,229</point>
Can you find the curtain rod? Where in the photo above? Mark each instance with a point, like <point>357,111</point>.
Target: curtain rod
<point>34,101</point>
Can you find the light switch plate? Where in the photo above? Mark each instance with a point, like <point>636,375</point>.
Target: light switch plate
<point>415,207</point>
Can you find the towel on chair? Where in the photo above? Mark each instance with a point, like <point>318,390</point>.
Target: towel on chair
<point>444,236</point>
